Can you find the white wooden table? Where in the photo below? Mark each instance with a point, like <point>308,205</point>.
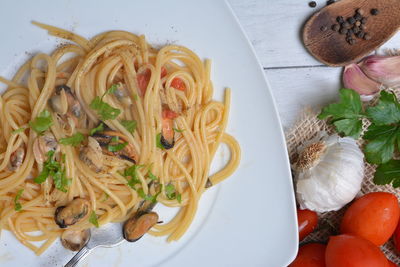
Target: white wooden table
<point>297,79</point>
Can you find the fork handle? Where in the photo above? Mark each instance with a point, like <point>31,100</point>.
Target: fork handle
<point>78,257</point>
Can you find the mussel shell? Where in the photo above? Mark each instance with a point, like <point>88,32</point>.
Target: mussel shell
<point>138,225</point>
<point>70,214</point>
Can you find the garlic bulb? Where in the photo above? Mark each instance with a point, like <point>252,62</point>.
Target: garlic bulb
<point>354,78</point>
<point>329,173</point>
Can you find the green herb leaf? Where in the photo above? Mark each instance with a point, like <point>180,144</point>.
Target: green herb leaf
<point>130,125</point>
<point>112,89</point>
<point>105,198</point>
<point>42,122</point>
<point>388,173</point>
<point>116,148</point>
<point>171,193</point>
<point>387,111</point>
<point>53,169</point>
<point>74,140</point>
<point>99,128</point>
<point>152,176</point>
<point>381,145</point>
<point>104,110</point>
<point>136,97</point>
<point>151,198</point>
<point>20,130</point>
<point>93,219</point>
<point>158,141</point>
<point>178,130</point>
<point>132,172</point>
<point>17,205</point>
<point>347,114</point>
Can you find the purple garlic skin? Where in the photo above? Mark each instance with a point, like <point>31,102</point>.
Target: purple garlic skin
<point>382,69</point>
<point>354,78</point>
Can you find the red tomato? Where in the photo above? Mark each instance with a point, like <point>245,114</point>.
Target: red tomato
<point>143,79</point>
<point>168,114</point>
<point>374,216</point>
<point>392,264</point>
<point>353,251</point>
<point>396,237</point>
<point>163,72</point>
<point>310,255</point>
<point>178,84</point>
<point>307,221</point>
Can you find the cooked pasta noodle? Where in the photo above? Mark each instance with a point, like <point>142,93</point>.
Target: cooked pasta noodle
<point>159,94</point>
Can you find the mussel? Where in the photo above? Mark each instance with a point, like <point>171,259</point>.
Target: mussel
<point>167,132</point>
<point>42,145</point>
<point>92,155</point>
<point>70,214</point>
<point>16,159</point>
<point>75,240</point>
<point>110,137</point>
<point>138,225</point>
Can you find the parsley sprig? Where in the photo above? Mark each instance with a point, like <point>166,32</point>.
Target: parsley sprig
<point>42,122</point>
<point>171,193</point>
<point>53,169</point>
<point>382,136</point>
<point>17,205</point>
<point>93,219</point>
<point>74,140</point>
<point>105,110</point>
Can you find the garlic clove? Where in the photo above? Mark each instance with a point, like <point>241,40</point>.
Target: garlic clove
<point>354,78</point>
<point>383,69</point>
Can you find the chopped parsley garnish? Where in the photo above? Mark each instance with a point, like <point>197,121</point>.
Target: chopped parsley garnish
<point>42,122</point>
<point>74,140</point>
<point>151,198</point>
<point>171,193</point>
<point>179,130</point>
<point>132,172</point>
<point>130,125</point>
<point>99,128</point>
<point>116,147</point>
<point>93,219</point>
<point>53,168</point>
<point>158,141</point>
<point>17,205</point>
<point>104,110</point>
<point>152,176</point>
<point>105,198</point>
<point>19,130</point>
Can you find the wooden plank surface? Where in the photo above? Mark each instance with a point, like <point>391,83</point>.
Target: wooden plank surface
<point>274,28</point>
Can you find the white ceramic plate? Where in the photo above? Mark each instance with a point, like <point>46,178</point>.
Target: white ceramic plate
<point>247,221</point>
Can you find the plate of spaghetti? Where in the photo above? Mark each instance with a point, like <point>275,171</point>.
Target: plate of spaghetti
<point>119,124</point>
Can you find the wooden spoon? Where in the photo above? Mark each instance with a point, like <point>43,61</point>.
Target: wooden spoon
<point>332,49</point>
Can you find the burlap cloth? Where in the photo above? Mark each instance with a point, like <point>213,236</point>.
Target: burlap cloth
<point>305,129</point>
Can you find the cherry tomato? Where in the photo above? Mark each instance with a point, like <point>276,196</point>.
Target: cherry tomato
<point>168,114</point>
<point>143,79</point>
<point>163,72</point>
<point>374,217</point>
<point>307,221</point>
<point>178,84</point>
<point>353,251</point>
<point>310,255</point>
<point>396,237</point>
<point>392,264</point>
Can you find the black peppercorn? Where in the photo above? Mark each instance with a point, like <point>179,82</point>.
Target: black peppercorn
<point>360,34</point>
<point>335,27</point>
<point>340,19</point>
<point>346,25</point>
<point>356,29</point>
<point>343,31</point>
<point>351,20</point>
<point>360,12</point>
<point>374,11</point>
<point>323,28</point>
<point>357,17</point>
<point>364,20</point>
<point>312,4</point>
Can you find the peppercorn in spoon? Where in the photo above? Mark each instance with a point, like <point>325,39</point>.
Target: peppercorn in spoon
<point>348,30</point>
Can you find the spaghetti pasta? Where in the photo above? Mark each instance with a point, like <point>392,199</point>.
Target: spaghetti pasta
<point>113,121</point>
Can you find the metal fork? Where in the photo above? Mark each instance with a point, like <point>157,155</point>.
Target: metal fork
<point>109,235</point>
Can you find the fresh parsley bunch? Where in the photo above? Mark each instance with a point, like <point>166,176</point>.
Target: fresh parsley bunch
<point>382,136</point>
